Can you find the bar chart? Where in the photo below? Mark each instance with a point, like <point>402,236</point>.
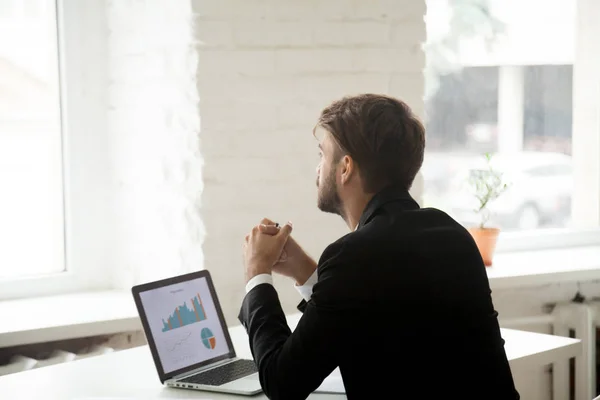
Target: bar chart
<point>183,315</point>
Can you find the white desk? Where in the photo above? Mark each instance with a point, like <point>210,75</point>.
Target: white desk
<point>131,373</point>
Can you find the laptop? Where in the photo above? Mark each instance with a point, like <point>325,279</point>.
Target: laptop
<point>187,335</point>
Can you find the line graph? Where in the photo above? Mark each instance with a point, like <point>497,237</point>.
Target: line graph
<point>178,343</point>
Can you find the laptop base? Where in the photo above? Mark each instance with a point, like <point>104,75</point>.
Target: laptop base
<point>249,386</point>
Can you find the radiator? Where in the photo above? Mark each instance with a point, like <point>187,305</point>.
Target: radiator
<point>20,363</point>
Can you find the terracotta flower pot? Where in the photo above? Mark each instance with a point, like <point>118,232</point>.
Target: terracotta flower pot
<point>486,239</point>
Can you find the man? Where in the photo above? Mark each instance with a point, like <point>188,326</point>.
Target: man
<point>401,304</point>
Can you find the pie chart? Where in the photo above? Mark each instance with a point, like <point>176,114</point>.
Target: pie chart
<point>208,339</point>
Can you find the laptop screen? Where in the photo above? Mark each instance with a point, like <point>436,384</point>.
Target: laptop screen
<point>184,324</point>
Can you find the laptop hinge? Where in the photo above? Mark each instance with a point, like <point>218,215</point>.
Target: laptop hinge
<point>201,369</point>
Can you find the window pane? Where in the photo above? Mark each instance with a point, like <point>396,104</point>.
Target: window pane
<point>31,204</point>
<point>499,80</point>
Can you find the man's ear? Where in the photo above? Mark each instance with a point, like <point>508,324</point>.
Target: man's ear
<point>348,168</point>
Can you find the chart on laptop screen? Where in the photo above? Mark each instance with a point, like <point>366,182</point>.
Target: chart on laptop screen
<point>183,315</point>
<point>184,324</point>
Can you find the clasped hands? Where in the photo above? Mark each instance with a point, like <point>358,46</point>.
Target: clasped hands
<point>270,248</point>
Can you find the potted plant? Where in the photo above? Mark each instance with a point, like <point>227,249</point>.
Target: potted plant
<point>487,185</point>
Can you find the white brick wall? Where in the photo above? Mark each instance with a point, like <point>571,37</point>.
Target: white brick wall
<point>153,128</point>
<point>266,69</point>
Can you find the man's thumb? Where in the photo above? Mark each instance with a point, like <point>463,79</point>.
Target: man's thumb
<point>285,230</point>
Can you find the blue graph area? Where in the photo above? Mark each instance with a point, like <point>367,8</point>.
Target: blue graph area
<point>183,315</point>
<point>198,306</point>
<point>206,334</point>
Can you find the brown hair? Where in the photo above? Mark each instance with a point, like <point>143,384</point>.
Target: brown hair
<point>381,134</point>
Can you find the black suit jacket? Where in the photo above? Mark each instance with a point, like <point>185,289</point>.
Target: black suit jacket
<point>402,305</point>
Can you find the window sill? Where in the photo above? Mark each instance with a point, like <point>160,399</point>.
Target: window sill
<point>79,315</point>
<point>69,316</point>
<point>542,267</point>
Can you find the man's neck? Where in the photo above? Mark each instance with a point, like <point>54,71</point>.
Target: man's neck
<point>354,208</point>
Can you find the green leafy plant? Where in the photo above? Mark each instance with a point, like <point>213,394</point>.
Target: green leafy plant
<point>487,185</point>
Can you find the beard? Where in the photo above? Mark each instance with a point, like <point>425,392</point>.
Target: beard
<point>328,199</point>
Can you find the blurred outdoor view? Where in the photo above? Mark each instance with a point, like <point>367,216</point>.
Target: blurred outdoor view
<point>31,208</point>
<point>499,80</point>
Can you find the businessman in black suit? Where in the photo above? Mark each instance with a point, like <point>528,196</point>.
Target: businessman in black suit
<point>401,304</point>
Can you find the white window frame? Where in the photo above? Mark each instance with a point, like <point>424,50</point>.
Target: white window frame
<point>83,56</point>
<point>585,144</point>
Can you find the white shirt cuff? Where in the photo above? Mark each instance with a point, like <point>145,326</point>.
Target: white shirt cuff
<point>307,289</point>
<point>259,280</point>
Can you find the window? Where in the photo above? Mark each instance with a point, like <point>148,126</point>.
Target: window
<point>55,210</point>
<point>500,79</point>
<point>31,205</point>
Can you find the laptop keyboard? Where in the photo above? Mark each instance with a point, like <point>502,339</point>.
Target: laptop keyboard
<point>223,374</point>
